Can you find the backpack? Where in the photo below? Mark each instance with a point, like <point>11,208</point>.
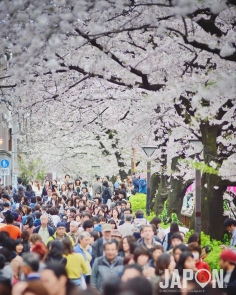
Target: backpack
<point>138,223</point>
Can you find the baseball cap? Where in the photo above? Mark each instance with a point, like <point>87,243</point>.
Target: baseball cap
<point>61,224</point>
<point>228,255</point>
<point>106,227</point>
<point>116,233</point>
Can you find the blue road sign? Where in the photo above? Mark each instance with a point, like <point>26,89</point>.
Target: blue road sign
<point>5,163</point>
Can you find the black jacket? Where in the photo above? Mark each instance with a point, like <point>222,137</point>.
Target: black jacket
<point>231,287</point>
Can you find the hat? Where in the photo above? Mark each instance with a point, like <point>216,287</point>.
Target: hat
<point>228,255</point>
<point>61,224</point>
<point>98,228</point>
<point>15,214</point>
<point>116,233</point>
<point>106,227</point>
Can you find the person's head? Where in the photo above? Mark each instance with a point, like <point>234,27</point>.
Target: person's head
<point>105,183</point>
<point>34,238</point>
<point>67,177</point>
<point>73,226</point>
<point>139,213</point>
<point>227,259</point>
<point>174,227</point>
<point>178,250</point>
<point>127,243</point>
<point>156,221</point>
<point>157,251</point>
<point>165,261</point>
<point>19,246</point>
<point>19,180</point>
<point>113,223</point>
<point>122,195</point>
<point>131,271</point>
<point>115,234</point>
<point>138,286</point>
<point>194,238</point>
<point>128,218</point>
<point>61,229</point>
<point>94,236</point>
<point>49,192</point>
<point>84,239</point>
<point>35,288</point>
<point>44,220</point>
<point>186,261</point>
<point>230,224</point>
<point>195,249</point>
<point>123,205</point>
<point>115,213</point>
<point>106,231</point>
<point>176,239</point>
<point>98,178</point>
<point>54,278</point>
<point>25,235</point>
<point>111,250</point>
<point>40,249</point>
<point>147,232</point>
<point>55,248</point>
<point>141,255</point>
<point>67,246</point>
<point>9,217</point>
<point>88,226</point>
<point>205,251</point>
<point>30,263</point>
<point>29,188</point>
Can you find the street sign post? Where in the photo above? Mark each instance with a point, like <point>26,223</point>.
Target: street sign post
<point>4,164</point>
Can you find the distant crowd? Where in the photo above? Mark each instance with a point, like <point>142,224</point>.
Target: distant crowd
<point>68,239</point>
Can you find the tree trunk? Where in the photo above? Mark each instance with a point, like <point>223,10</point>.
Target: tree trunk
<point>155,181</point>
<point>176,195</point>
<point>212,198</point>
<point>162,194</point>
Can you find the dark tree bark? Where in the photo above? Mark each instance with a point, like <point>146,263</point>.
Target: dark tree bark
<point>162,195</point>
<point>155,181</point>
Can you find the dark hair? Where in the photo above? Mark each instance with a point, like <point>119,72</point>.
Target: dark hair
<point>194,247</point>
<point>2,261</point>
<point>87,224</point>
<point>155,221</point>
<point>105,183</point>
<point>98,177</point>
<point>67,175</point>
<point>38,214</point>
<point>163,263</point>
<point>25,235</point>
<point>127,209</point>
<point>123,192</point>
<point>229,222</point>
<point>174,227</point>
<point>176,236</point>
<point>180,264</point>
<point>112,221</point>
<point>9,217</point>
<point>194,238</point>
<point>207,248</point>
<point>138,286</point>
<point>19,180</point>
<point>95,235</point>
<point>67,246</point>
<point>181,247</point>
<point>130,240</point>
<point>56,248</point>
<point>6,253</point>
<point>158,247</point>
<point>141,250</point>
<point>136,267</point>
<point>28,188</point>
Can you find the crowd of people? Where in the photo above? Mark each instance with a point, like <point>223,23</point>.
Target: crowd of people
<point>69,239</point>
